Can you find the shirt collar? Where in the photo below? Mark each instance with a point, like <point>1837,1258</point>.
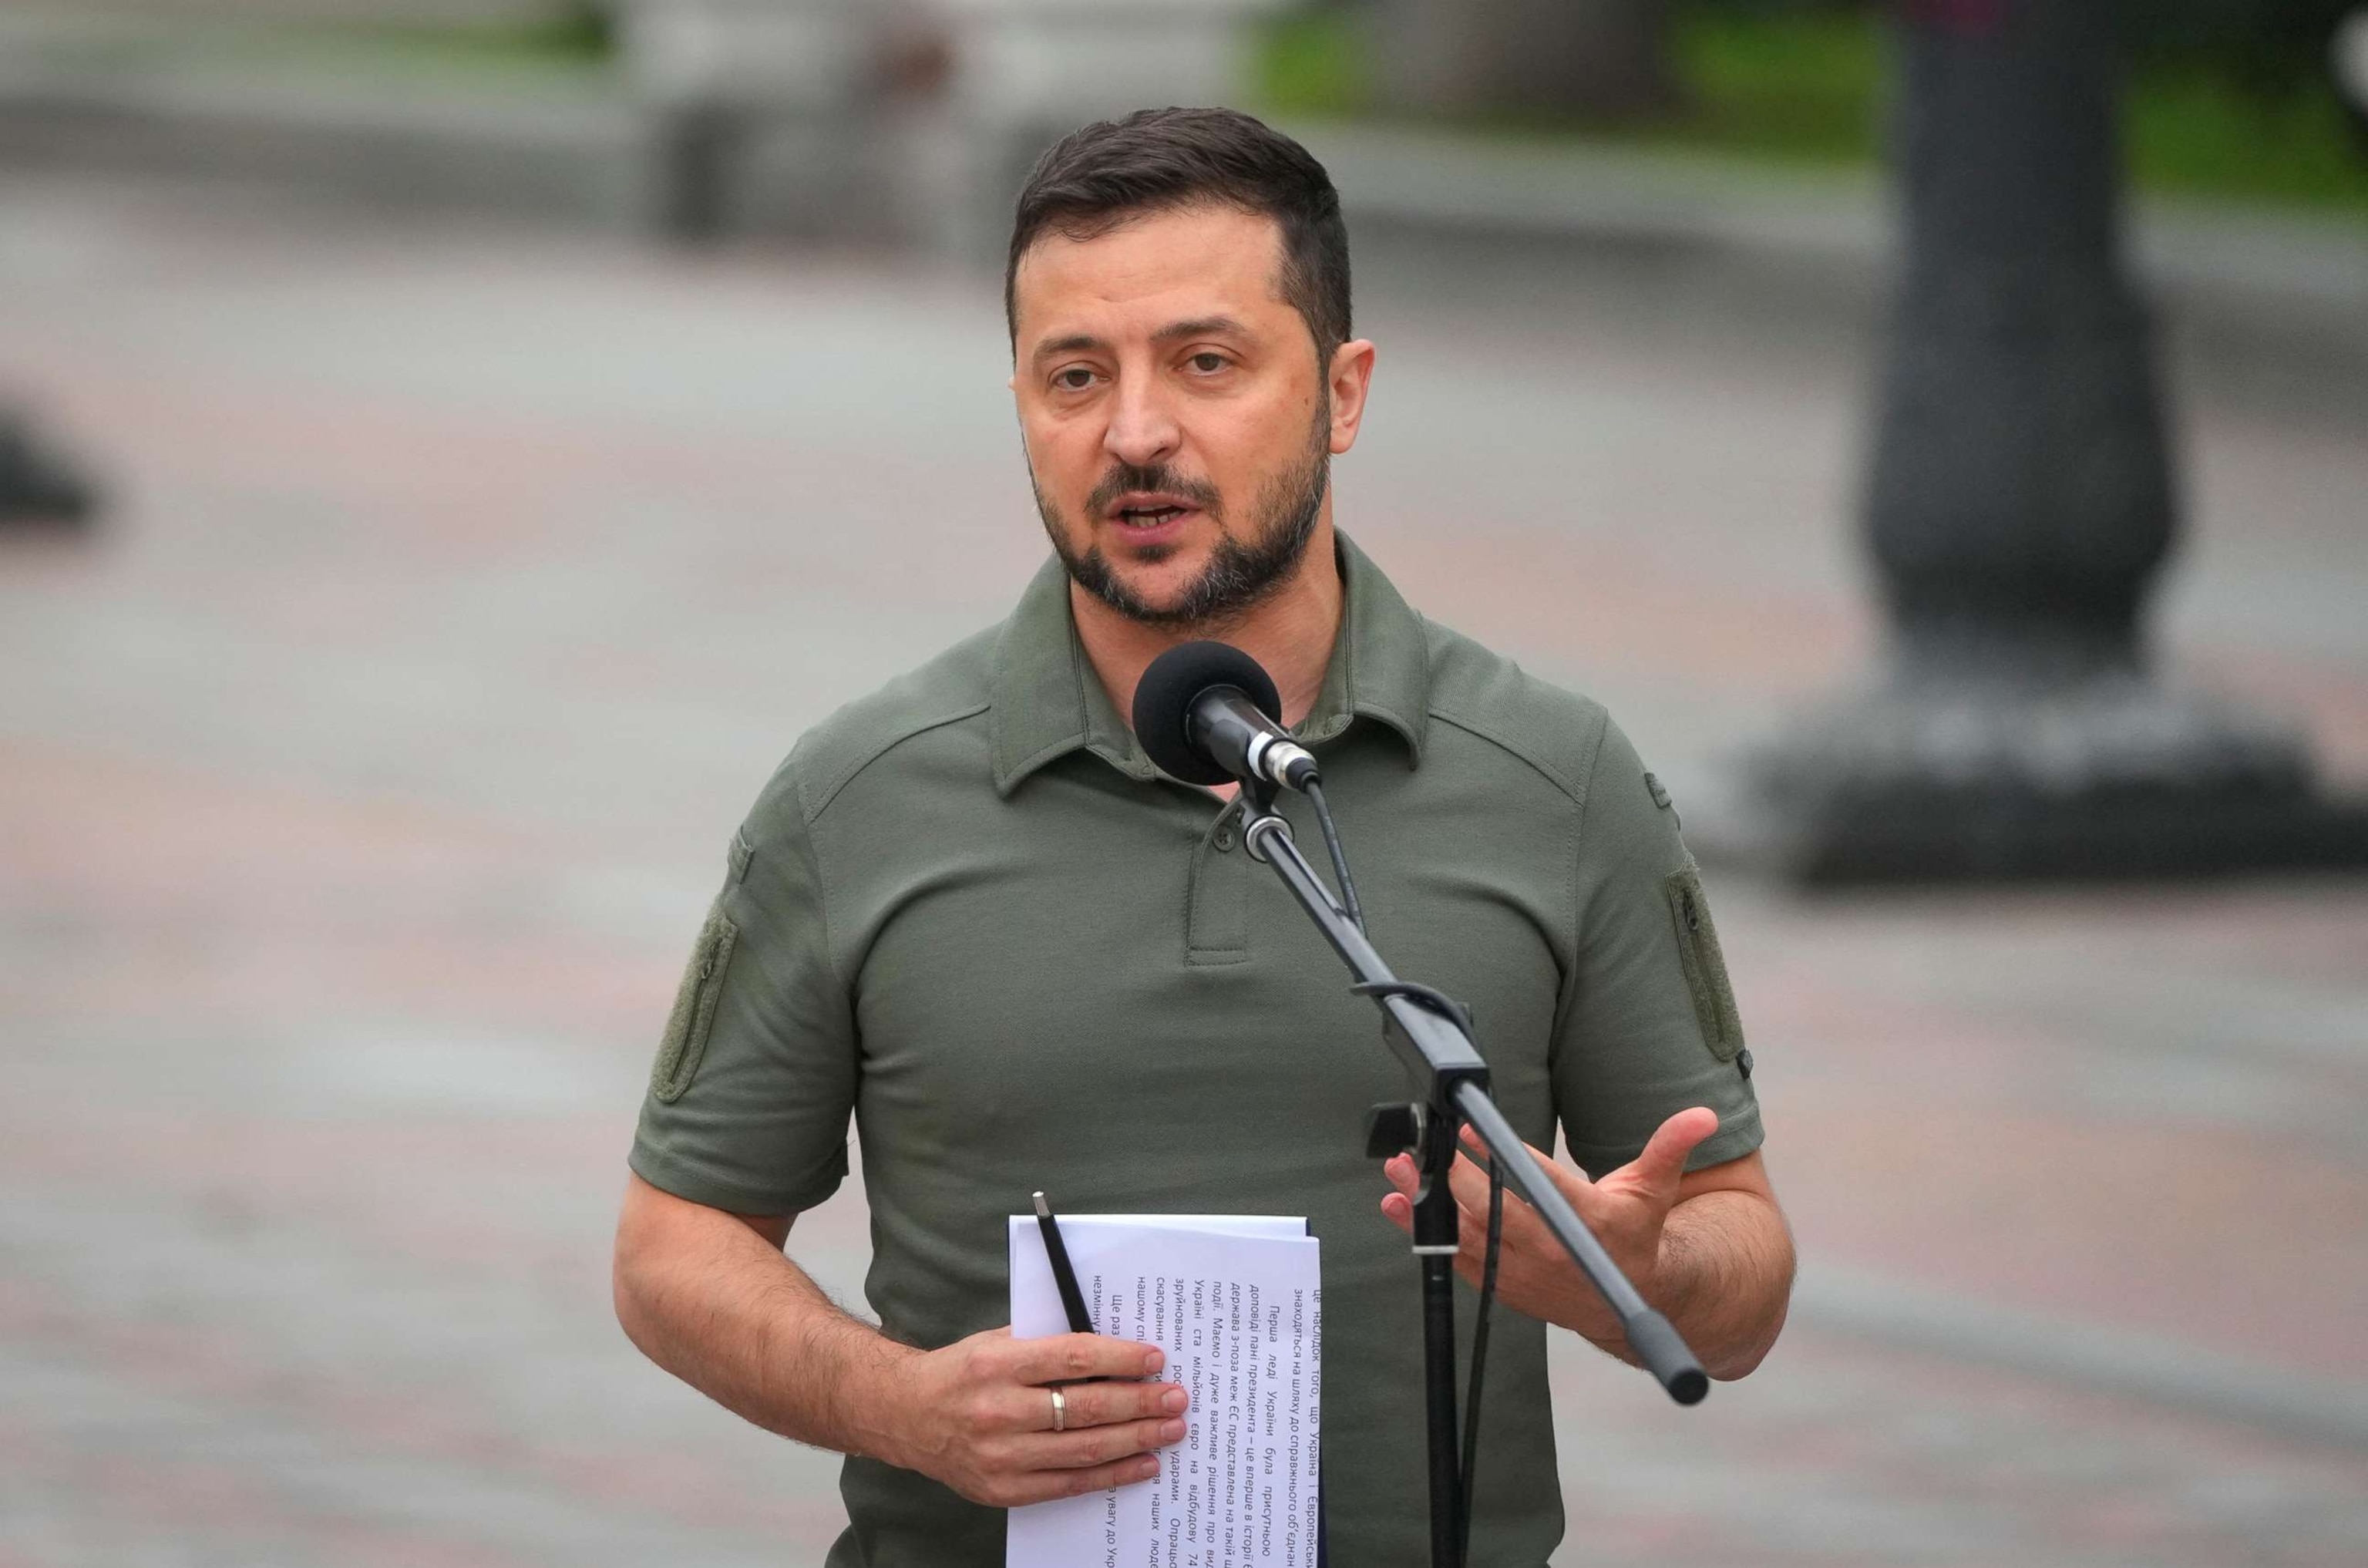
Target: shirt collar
<point>1048,701</point>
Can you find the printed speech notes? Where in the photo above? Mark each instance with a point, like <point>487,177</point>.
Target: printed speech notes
<point>1236,1303</point>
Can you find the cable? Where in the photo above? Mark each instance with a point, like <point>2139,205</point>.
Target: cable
<point>1340,862</point>
<point>1480,1349</point>
<point>1447,1006</point>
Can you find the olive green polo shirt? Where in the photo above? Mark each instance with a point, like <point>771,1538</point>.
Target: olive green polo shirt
<point>969,912</point>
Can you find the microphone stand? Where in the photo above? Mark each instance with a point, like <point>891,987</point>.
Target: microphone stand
<point>1428,1034</point>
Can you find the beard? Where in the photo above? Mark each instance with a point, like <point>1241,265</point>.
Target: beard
<point>1239,572</point>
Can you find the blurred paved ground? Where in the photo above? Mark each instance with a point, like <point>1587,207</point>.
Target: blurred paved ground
<point>361,786</point>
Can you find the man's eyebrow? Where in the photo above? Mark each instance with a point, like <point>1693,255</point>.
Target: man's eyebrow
<point>1075,343</point>
<point>1199,326</point>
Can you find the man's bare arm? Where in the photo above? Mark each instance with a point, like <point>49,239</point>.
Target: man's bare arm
<point>1710,1248</point>
<point>709,1296</point>
<point>1724,1276</point>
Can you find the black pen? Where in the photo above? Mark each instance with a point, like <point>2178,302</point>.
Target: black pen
<point>1064,1274</point>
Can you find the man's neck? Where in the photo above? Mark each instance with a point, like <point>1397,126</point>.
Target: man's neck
<point>1291,631</point>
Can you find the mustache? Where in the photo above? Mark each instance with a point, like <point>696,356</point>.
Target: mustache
<point>1127,477</point>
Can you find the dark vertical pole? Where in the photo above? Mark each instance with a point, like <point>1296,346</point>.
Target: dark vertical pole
<point>699,146</point>
<point>2020,503</point>
<point>1435,1230</point>
<point>2019,512</point>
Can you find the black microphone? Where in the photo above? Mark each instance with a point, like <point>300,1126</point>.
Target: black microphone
<point>1206,713</point>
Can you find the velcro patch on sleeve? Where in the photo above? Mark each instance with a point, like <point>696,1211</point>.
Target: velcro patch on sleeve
<point>1705,964</point>
<point>694,1009</point>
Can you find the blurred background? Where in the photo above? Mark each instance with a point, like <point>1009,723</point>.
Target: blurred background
<point>449,449</point>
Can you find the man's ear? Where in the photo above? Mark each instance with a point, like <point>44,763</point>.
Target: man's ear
<point>1350,376</point>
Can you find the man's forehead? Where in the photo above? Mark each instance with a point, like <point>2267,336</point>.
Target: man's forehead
<point>1168,264</point>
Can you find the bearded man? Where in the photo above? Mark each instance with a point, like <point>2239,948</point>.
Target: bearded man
<point>969,912</point>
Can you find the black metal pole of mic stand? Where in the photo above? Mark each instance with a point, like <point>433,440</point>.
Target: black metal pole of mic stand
<point>1453,1080</point>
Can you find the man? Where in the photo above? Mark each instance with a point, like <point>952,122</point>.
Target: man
<point>968,911</point>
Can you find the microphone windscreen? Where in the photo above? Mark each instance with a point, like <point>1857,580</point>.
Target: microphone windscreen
<point>1164,699</point>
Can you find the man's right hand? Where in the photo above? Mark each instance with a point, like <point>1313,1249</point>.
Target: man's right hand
<point>978,1416</point>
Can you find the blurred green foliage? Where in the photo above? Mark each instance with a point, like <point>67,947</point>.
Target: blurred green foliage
<point>1315,63</point>
<point>2227,99</point>
<point>1779,81</point>
<point>2196,134</point>
<point>571,34</point>
<point>573,41</point>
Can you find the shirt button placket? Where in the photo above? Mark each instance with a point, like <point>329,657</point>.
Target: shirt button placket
<point>1218,928</point>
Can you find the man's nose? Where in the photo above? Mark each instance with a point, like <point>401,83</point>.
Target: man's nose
<point>1143,429</point>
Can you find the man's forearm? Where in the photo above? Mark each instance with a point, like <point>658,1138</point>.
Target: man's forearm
<point>708,1298</point>
<point>1725,1278</point>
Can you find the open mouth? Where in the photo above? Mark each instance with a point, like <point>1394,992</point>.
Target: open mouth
<point>1142,511</point>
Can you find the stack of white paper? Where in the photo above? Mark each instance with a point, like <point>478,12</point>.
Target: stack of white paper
<point>1236,1302</point>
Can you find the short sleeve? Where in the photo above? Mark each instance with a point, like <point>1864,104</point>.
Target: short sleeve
<point>1648,1025</point>
<point>755,1079</point>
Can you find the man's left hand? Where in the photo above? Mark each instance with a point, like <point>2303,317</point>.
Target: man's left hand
<point>1627,1210</point>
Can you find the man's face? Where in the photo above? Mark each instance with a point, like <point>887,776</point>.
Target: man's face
<point>1178,423</point>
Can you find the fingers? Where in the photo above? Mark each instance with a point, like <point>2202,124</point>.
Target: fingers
<point>1469,1187</point>
<point>1529,1263</point>
<point>1397,1207</point>
<point>1663,1162</point>
<point>1095,1445</point>
<point>992,1438</point>
<point>1096,1404</point>
<point>1065,1357</point>
<point>1473,1164</point>
<point>1042,1485</point>
<point>1468,1180</point>
<point>1036,1463</point>
<point>1469,1176</point>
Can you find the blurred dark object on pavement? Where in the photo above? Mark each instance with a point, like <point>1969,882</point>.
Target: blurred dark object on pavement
<point>2020,509</point>
<point>38,485</point>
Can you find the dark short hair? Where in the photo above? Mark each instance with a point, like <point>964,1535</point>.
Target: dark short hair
<point>1094,178</point>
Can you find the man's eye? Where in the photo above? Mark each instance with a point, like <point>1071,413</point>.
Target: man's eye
<point>1208,363</point>
<point>1076,377</point>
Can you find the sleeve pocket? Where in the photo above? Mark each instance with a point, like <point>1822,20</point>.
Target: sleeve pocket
<point>694,1009</point>
<point>1705,965</point>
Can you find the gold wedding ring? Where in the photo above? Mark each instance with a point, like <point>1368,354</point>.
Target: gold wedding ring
<point>1060,1409</point>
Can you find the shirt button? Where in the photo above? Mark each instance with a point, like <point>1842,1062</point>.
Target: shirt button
<point>1224,838</point>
